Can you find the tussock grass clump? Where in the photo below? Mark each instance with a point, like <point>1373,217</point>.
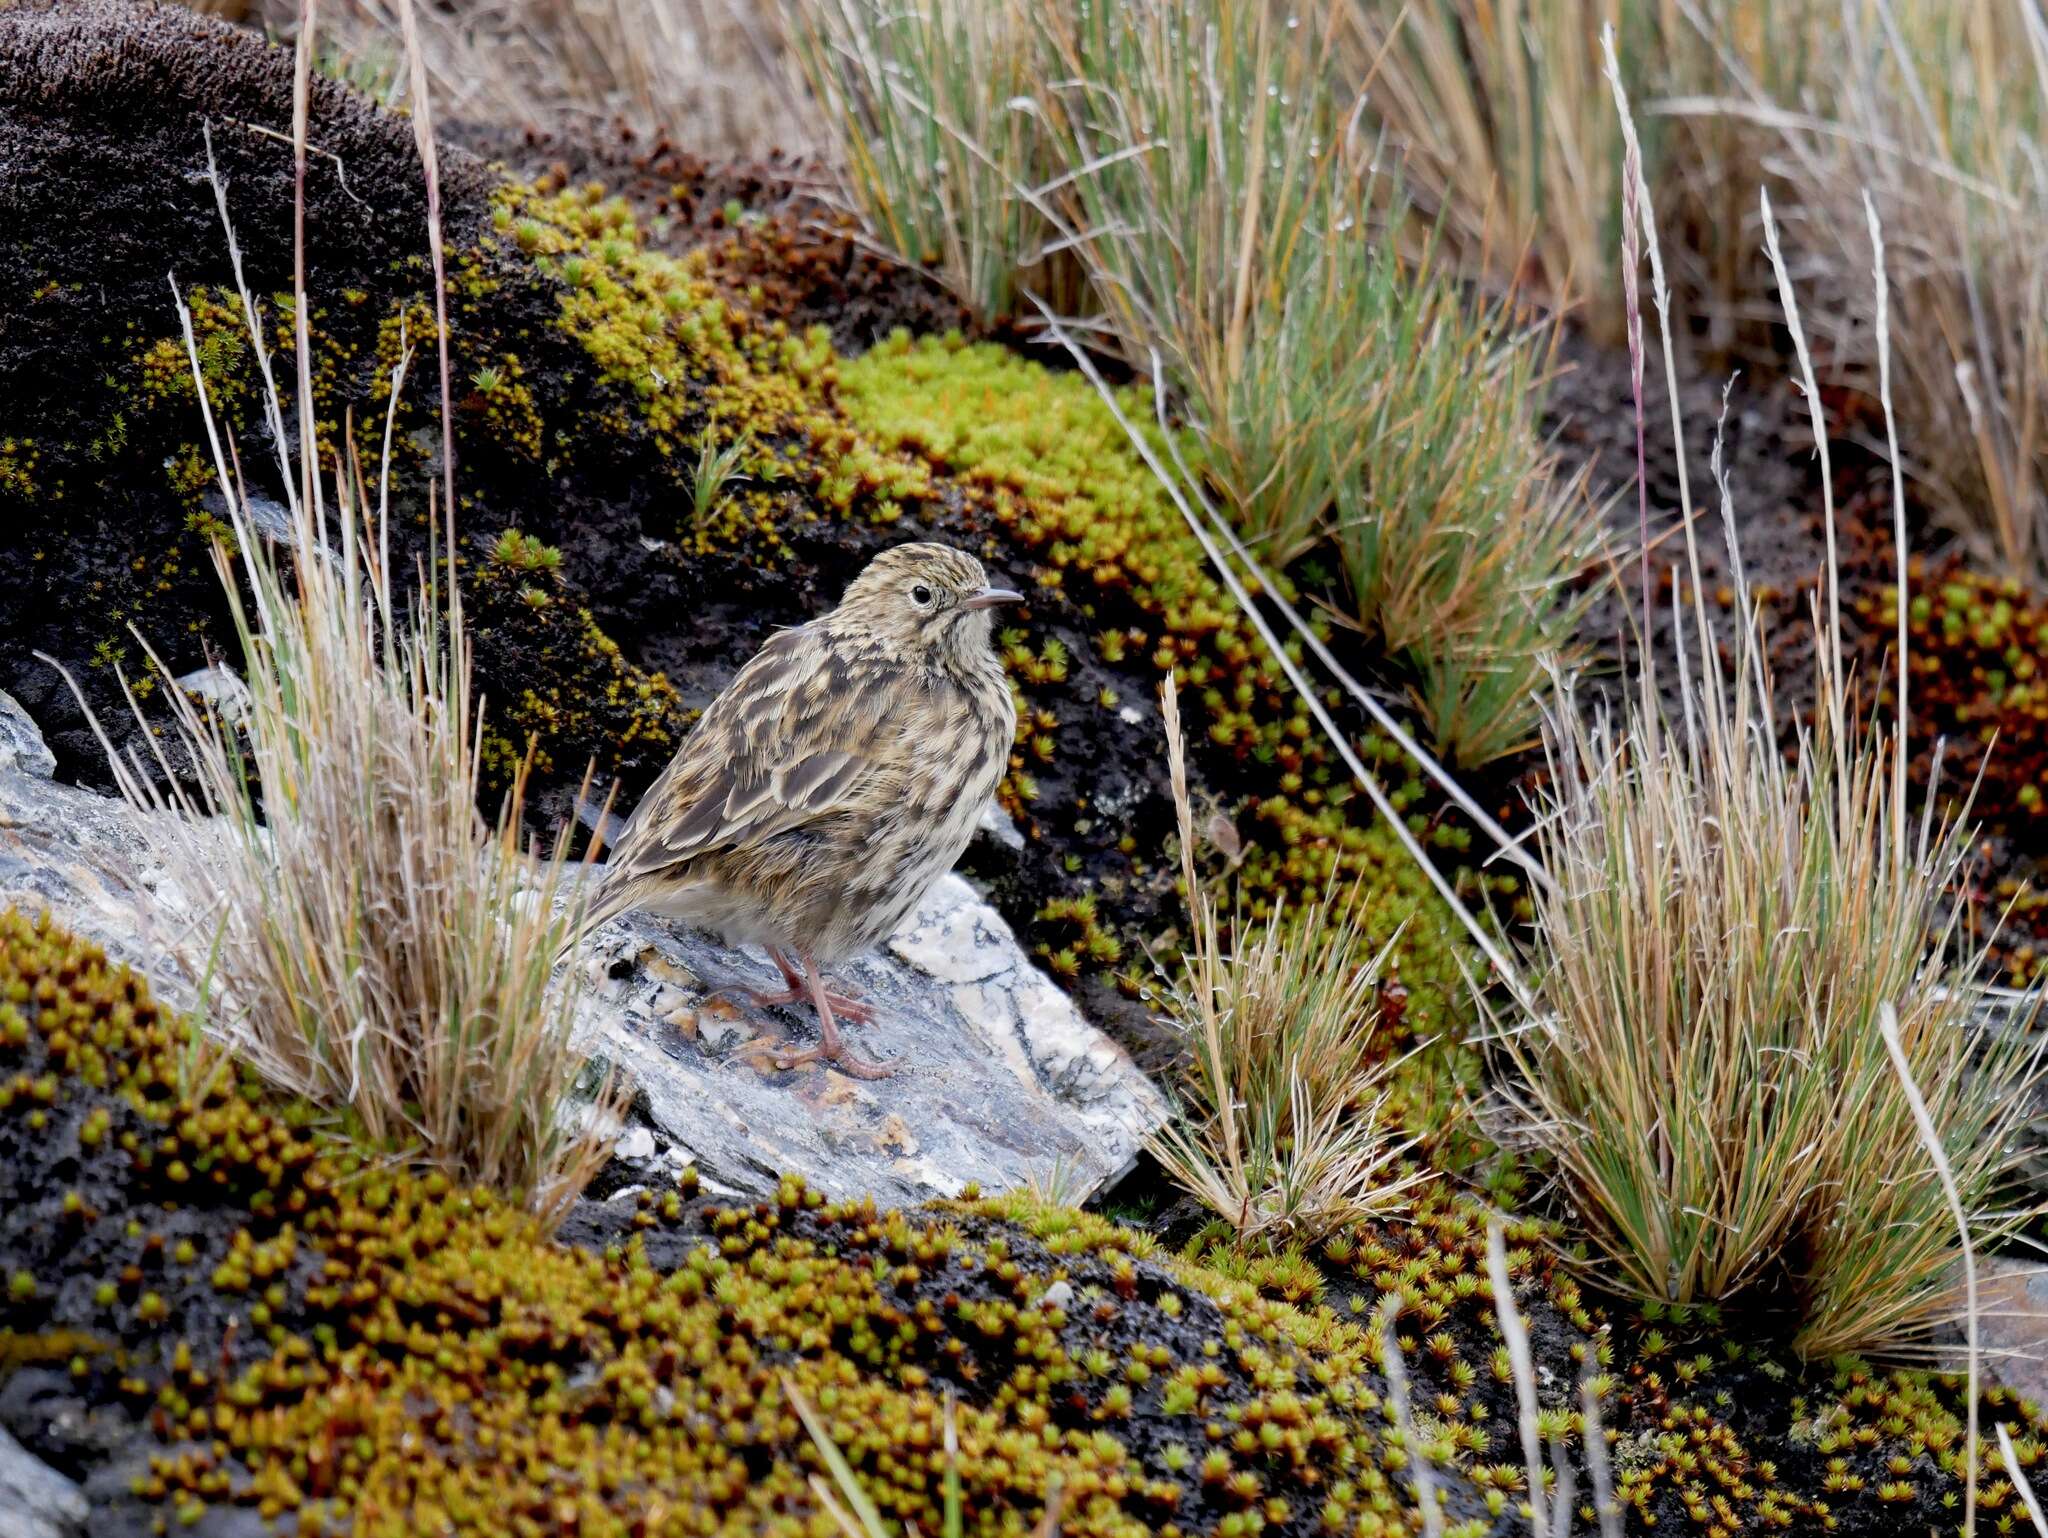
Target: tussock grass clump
<point>1283,1133</point>
<point>377,947</point>
<point>1241,241</point>
<point>1185,186</point>
<point>1505,139</point>
<point>1939,111</point>
<point>933,114</point>
<point>1728,930</point>
<point>374,945</point>
<point>1706,1062</point>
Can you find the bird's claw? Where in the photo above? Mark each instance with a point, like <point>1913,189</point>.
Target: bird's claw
<point>846,1062</point>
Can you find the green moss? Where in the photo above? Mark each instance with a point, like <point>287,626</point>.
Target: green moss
<point>689,368</point>
<point>1979,650</point>
<point>18,469</point>
<point>424,1357</point>
<point>317,1336</point>
<point>578,698</point>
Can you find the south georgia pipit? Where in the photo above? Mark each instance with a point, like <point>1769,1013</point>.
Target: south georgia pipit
<point>839,775</point>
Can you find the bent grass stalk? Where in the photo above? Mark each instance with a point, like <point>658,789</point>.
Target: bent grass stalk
<point>1516,1334</point>
<point>1930,1139</point>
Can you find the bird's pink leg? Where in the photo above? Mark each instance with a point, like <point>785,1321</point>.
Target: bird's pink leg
<point>796,991</point>
<point>830,1049</point>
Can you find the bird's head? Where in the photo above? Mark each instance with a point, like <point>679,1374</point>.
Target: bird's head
<point>926,600</point>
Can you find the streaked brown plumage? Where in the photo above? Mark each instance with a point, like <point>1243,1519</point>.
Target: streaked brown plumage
<point>838,776</point>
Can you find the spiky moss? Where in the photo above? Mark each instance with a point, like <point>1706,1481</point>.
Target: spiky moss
<point>1711,1426</point>
<point>1041,454</point>
<point>1979,650</point>
<point>18,469</point>
<point>332,1340</point>
<point>312,1336</point>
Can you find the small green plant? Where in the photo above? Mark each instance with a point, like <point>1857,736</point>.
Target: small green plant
<point>524,552</point>
<point>717,470</point>
<point>1282,1133</point>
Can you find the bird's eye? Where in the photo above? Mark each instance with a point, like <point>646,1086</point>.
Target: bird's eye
<point>920,595</point>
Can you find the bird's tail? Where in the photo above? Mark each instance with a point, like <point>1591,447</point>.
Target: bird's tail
<point>611,898</point>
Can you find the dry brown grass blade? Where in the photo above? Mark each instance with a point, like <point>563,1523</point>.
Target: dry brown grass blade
<point>1930,1139</point>
<point>1933,115</point>
<point>715,74</point>
<point>430,168</point>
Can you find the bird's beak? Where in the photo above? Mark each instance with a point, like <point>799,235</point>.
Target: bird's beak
<point>989,597</point>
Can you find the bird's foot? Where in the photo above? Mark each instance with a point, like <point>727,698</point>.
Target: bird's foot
<point>839,1056</point>
<point>843,1008</point>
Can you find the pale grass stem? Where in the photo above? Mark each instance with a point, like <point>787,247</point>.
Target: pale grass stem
<point>1515,1334</point>
<point>2020,1482</point>
<point>1930,1139</point>
<point>854,1512</point>
<point>1597,1465</point>
<point>1403,1417</point>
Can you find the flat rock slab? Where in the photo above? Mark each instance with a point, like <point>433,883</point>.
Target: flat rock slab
<point>2012,1325</point>
<point>21,746</point>
<point>1003,1082</point>
<point>35,1500</point>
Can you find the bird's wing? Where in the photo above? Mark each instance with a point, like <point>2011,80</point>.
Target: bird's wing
<point>790,738</point>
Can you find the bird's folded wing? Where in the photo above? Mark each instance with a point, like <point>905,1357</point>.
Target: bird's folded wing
<point>788,742</point>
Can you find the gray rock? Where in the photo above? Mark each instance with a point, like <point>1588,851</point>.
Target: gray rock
<point>222,688</point>
<point>2012,1325</point>
<point>271,518</point>
<point>1004,1083</point>
<point>999,828</point>
<point>35,1500</point>
<point>636,1146</point>
<point>88,859</point>
<point>22,748</point>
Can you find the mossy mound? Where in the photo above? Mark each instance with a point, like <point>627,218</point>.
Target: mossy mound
<point>321,1338</point>
<point>304,1339</point>
<point>771,229</point>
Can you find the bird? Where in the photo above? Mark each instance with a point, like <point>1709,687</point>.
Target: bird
<point>840,773</point>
